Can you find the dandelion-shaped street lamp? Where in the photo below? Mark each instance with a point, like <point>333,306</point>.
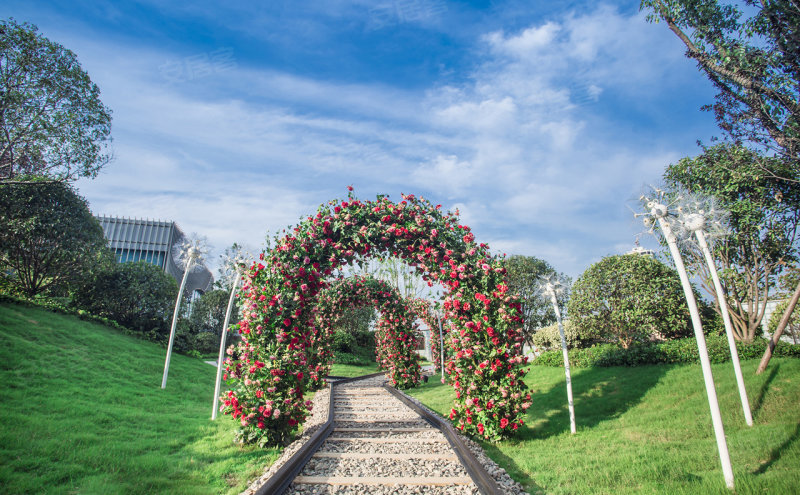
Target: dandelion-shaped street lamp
<point>552,287</point>
<point>441,344</point>
<point>658,212</point>
<point>188,255</point>
<point>236,264</point>
<point>699,216</point>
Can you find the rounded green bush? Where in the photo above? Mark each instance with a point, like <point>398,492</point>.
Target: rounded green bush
<point>627,299</point>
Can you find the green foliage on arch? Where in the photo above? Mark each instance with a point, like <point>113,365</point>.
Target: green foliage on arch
<point>271,369</point>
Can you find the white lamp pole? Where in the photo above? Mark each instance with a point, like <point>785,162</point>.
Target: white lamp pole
<point>222,346</point>
<point>550,288</point>
<point>441,346</point>
<point>659,212</point>
<point>175,320</point>
<point>189,254</point>
<point>695,222</point>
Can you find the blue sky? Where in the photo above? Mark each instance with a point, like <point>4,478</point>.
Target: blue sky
<point>539,121</point>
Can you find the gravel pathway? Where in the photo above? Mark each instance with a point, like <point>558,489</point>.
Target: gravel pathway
<point>380,446</point>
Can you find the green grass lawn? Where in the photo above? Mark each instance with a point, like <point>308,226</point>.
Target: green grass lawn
<point>350,370</point>
<point>83,412</point>
<point>648,430</point>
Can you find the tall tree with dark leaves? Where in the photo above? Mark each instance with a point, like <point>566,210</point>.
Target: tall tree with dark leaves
<point>764,220</point>
<point>751,52</point>
<point>52,122</point>
<point>524,273</point>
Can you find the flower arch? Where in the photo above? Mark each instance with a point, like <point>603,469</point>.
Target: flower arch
<point>278,300</point>
<point>396,331</point>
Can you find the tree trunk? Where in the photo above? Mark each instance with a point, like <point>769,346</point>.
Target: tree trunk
<point>778,331</point>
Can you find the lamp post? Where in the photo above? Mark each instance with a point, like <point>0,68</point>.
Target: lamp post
<point>441,345</point>
<point>237,264</point>
<point>551,287</point>
<point>696,217</point>
<point>658,211</point>
<point>190,254</point>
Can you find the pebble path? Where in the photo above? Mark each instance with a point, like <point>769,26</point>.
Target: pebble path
<point>381,446</point>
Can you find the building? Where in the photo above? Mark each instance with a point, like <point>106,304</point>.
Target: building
<point>152,241</point>
<point>638,249</point>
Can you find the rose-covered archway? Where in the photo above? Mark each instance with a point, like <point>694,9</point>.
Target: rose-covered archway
<point>270,367</point>
<point>395,332</point>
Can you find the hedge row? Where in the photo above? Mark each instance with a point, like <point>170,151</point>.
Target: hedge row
<point>671,351</point>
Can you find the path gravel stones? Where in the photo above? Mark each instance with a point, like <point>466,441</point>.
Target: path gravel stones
<point>380,446</point>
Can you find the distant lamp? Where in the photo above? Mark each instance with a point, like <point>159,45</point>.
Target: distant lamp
<point>236,264</point>
<point>552,287</point>
<point>188,255</point>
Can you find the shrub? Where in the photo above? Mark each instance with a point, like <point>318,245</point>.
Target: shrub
<point>205,342</point>
<point>549,337</point>
<point>627,299</point>
<point>208,312</point>
<point>344,341</point>
<point>365,338</point>
<point>48,237</point>
<point>139,296</point>
<point>679,351</point>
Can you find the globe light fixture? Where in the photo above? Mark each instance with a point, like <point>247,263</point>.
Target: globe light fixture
<point>188,255</point>
<point>551,287</point>
<point>657,212</point>
<point>702,218</point>
<point>237,263</point>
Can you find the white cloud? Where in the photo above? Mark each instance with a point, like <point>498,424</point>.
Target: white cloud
<point>517,147</point>
<point>532,40</point>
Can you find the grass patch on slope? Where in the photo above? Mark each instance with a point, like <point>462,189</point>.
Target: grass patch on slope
<point>648,429</point>
<point>350,370</point>
<point>84,412</point>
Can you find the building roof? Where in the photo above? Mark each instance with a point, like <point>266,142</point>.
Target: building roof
<point>154,241</point>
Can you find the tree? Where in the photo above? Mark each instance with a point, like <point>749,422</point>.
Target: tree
<point>523,274</point>
<point>764,217</point>
<point>754,61</point>
<point>52,122</point>
<point>356,320</point>
<point>137,295</point>
<point>208,312</point>
<point>48,236</point>
<point>629,298</point>
<point>403,277</point>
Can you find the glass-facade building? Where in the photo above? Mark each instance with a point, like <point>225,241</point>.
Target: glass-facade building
<point>152,241</point>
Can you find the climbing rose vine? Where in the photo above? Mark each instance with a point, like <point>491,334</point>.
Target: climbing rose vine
<point>396,332</point>
<point>270,369</point>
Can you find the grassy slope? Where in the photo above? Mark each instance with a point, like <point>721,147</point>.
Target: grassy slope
<point>83,412</point>
<point>353,370</point>
<point>648,430</point>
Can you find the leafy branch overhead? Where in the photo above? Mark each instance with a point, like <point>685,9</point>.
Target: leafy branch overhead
<point>52,122</point>
<point>753,60</point>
